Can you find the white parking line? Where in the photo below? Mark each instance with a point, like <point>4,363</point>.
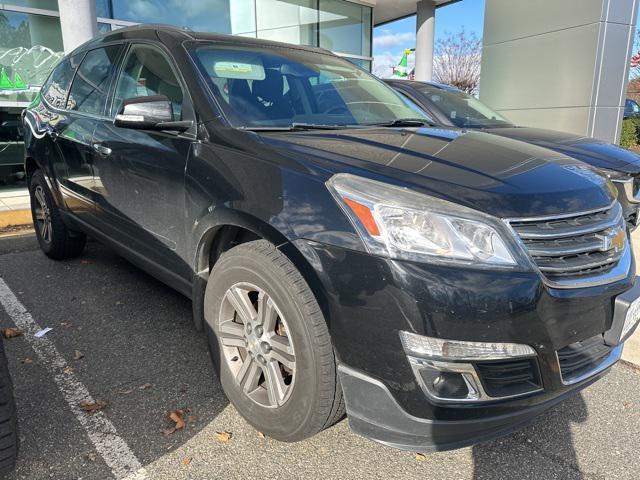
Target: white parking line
<point>113,449</point>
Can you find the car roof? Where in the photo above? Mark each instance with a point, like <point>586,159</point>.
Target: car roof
<point>441,86</point>
<point>179,34</point>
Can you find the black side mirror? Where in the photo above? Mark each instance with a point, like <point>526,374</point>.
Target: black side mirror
<point>149,113</point>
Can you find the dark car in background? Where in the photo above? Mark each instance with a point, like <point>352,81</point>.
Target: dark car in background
<point>452,107</point>
<point>445,286</point>
<point>11,146</point>
<point>631,108</point>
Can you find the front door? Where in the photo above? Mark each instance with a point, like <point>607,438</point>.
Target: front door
<point>139,174</point>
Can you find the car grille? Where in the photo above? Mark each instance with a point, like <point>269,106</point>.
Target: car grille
<point>581,245</point>
<point>509,378</point>
<point>581,358</point>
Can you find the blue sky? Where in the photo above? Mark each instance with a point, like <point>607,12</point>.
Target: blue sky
<point>391,39</point>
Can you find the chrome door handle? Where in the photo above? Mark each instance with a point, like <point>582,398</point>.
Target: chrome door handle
<point>101,149</point>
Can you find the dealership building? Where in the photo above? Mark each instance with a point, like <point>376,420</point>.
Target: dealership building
<point>557,64</point>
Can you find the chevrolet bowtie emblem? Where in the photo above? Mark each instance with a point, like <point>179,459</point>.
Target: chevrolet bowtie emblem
<point>612,239</point>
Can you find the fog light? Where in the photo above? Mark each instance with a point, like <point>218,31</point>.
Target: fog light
<point>458,350</point>
<point>445,384</point>
<point>449,382</point>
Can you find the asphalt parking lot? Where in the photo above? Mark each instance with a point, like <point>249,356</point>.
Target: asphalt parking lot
<point>141,355</point>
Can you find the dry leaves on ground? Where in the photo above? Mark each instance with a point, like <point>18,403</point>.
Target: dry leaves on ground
<point>187,460</point>
<point>92,407</point>
<point>78,355</point>
<point>11,332</point>
<point>224,436</point>
<point>420,457</point>
<point>145,386</point>
<point>177,417</point>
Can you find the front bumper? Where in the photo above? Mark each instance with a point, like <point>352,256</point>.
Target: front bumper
<point>374,413</point>
<point>368,300</point>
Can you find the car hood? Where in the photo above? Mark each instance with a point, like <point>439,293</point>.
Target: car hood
<point>500,176</point>
<point>589,150</point>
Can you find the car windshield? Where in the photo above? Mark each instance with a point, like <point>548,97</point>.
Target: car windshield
<point>461,109</point>
<point>279,87</point>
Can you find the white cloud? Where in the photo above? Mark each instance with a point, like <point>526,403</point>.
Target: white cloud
<point>390,40</point>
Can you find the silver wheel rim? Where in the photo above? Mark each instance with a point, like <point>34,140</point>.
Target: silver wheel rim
<point>42,214</point>
<point>255,342</point>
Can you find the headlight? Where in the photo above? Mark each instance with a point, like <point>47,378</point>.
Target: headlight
<point>399,223</point>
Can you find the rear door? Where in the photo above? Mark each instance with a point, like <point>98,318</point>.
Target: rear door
<point>139,174</point>
<point>85,106</point>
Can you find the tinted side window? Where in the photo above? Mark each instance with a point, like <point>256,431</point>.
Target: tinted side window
<point>147,72</point>
<point>91,84</point>
<point>56,87</point>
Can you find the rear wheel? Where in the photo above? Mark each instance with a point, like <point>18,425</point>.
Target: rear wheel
<point>270,343</point>
<point>55,238</point>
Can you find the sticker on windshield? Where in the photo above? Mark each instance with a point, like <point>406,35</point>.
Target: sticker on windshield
<point>243,70</point>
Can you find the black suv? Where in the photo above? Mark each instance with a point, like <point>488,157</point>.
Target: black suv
<point>446,285</point>
<point>452,107</point>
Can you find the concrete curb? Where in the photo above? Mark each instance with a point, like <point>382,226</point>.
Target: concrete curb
<point>15,218</point>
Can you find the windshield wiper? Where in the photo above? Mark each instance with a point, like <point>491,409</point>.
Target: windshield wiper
<point>404,122</point>
<point>295,126</point>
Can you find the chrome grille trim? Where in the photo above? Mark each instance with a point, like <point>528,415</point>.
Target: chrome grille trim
<point>577,250</point>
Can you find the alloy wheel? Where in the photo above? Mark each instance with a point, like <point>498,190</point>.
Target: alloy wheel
<point>256,344</point>
<point>42,215</point>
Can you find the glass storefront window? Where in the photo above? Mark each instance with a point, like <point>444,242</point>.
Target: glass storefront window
<point>198,15</point>
<point>30,45</point>
<point>44,4</point>
<point>345,27</point>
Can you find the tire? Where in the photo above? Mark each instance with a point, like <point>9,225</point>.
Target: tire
<point>309,398</point>
<point>56,240</point>
<point>8,418</point>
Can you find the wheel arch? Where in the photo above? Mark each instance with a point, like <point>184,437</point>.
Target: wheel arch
<point>226,230</point>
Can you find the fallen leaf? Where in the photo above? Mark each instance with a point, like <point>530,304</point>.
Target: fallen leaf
<point>145,386</point>
<point>260,435</point>
<point>176,416</point>
<point>11,332</point>
<point>125,392</point>
<point>67,370</point>
<point>420,457</point>
<point>66,324</point>
<point>27,361</point>
<point>92,407</point>
<point>187,460</point>
<point>223,437</point>
<point>91,456</point>
<point>78,355</point>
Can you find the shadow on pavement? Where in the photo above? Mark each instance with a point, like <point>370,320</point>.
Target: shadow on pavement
<point>545,449</point>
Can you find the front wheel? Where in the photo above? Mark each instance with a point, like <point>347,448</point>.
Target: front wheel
<point>270,343</point>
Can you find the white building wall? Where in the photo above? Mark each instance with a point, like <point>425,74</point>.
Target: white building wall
<point>559,64</point>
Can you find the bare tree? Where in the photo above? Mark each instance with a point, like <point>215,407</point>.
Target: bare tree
<point>457,60</point>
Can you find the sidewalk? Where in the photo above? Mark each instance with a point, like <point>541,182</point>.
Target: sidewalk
<point>14,207</point>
